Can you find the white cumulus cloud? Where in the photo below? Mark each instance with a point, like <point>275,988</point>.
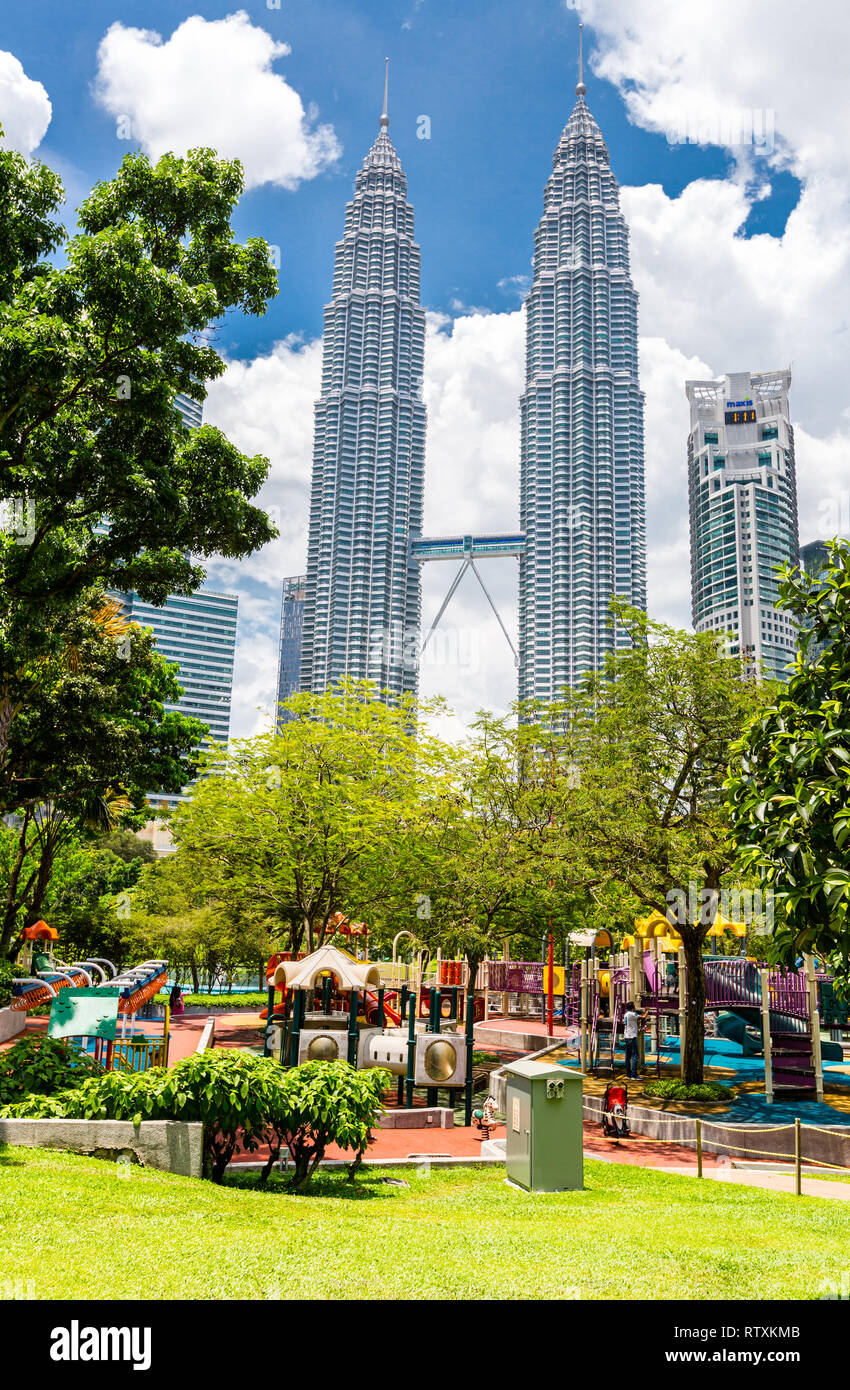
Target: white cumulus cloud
<point>212,83</point>
<point>265,406</point>
<point>25,108</point>
<point>712,300</point>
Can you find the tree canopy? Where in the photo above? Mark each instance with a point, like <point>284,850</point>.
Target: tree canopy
<point>790,795</point>
<point>646,747</point>
<point>327,814</point>
<point>103,483</point>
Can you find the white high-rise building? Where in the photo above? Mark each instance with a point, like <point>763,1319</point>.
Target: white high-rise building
<point>582,505</point>
<point>362,609</point>
<point>743,514</point>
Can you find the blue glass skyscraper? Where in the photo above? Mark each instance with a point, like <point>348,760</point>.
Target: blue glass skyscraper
<point>291,637</point>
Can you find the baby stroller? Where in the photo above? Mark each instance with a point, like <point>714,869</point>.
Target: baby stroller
<point>615,1104</point>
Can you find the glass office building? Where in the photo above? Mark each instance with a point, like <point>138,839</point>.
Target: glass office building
<point>198,632</point>
<point>291,634</point>
<point>814,557</point>
<point>743,514</point>
<point>582,505</point>
<point>362,609</point>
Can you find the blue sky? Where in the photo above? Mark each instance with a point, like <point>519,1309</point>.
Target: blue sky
<point>497,94</point>
<point>739,253</point>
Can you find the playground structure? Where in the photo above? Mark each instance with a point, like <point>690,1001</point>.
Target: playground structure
<point>772,1012</point>
<point>402,980</point>
<point>92,982</point>
<point>329,1006</point>
<point>48,974</point>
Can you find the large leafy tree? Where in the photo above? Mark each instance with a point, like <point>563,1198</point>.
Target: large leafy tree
<point>646,746</point>
<point>97,335</point>
<point>491,853</point>
<point>327,814</point>
<point>93,738</point>
<point>88,883</point>
<point>790,795</point>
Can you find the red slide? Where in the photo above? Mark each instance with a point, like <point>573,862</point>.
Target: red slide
<point>391,1015</point>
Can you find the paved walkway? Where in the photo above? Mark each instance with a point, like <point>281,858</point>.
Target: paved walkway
<point>771,1182</point>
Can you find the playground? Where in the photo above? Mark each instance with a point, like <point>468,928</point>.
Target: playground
<point>774,1040</point>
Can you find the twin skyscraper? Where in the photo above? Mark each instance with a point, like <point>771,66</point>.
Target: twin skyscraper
<point>582,524</point>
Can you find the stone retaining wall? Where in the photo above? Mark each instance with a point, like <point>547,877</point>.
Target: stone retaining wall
<point>173,1146</point>
<point>12,1022</point>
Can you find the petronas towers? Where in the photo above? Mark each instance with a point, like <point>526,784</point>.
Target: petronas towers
<point>363,592</point>
<point>582,468</point>
<point>582,509</point>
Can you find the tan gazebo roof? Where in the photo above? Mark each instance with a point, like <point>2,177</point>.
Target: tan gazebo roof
<point>348,972</point>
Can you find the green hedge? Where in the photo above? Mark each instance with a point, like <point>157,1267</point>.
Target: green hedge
<point>253,1000</point>
<point>678,1090</point>
<point>38,1065</point>
<point>240,1100</point>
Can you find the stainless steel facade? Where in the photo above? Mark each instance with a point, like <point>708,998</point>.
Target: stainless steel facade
<point>362,611</point>
<point>582,505</point>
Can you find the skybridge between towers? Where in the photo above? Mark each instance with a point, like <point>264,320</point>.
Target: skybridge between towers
<point>468,549</point>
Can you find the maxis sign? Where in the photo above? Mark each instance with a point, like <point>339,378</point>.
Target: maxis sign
<point>738,405</point>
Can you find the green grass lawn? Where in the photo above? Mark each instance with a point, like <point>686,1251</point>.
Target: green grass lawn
<point>459,1233</point>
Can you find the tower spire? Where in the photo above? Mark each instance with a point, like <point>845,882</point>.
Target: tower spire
<point>580,89</point>
<point>385,120</point>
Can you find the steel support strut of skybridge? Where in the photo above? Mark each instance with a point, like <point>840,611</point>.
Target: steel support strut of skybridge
<point>424,549</point>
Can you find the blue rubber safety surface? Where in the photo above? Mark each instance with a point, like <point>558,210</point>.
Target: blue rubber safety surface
<point>749,1107</point>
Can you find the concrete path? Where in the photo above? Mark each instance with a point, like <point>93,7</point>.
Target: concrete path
<point>771,1182</point>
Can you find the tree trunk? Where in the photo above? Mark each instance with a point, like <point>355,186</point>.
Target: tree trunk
<point>273,1158</point>
<point>10,911</point>
<point>42,883</point>
<point>196,984</point>
<point>472,965</point>
<point>692,939</point>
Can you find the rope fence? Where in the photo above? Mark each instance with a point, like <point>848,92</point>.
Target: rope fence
<point>798,1156</point>
<point>715,1132</point>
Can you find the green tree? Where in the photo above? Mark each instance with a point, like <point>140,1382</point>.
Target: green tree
<point>97,335</point>
<point>646,747</point>
<point>326,815</point>
<point>790,793</point>
<point>490,850</point>
<point>93,738</point>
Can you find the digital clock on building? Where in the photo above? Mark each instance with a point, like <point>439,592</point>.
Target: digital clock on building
<point>744,416</point>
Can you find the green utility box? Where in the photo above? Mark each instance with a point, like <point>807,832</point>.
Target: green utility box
<point>544,1121</point>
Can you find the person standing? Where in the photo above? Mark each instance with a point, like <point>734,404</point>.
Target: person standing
<point>631,1031</point>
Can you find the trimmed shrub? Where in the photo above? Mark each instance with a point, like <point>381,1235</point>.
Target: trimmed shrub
<point>251,1000</point>
<point>678,1090</point>
<point>7,975</point>
<point>40,1066</point>
<point>318,1104</point>
<point>238,1098</point>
